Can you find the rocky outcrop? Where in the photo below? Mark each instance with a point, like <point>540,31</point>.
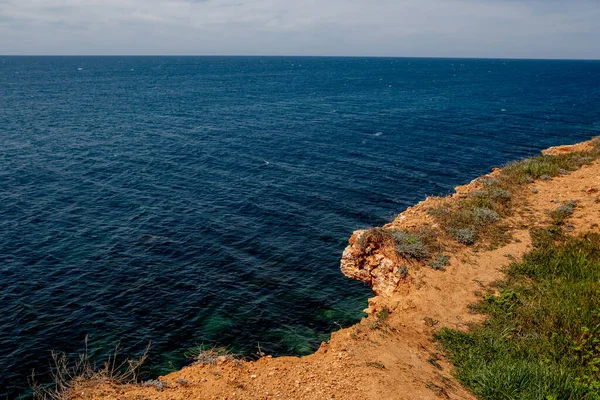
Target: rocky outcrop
<point>381,272</point>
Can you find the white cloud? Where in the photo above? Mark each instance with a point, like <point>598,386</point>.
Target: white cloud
<point>496,28</point>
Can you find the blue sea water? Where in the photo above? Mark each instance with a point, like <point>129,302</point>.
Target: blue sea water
<point>190,200</point>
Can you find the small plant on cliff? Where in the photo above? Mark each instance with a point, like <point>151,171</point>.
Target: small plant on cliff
<point>488,181</point>
<point>500,195</point>
<point>380,318</point>
<point>158,385</point>
<point>480,199</point>
<point>375,364</point>
<point>563,212</point>
<point>440,262</point>
<point>476,216</point>
<point>410,245</point>
<point>485,216</point>
<point>383,314</point>
<point>210,355</point>
<point>465,235</point>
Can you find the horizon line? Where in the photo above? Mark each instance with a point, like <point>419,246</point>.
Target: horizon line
<point>304,56</point>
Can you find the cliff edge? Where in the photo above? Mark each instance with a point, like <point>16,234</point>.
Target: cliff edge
<point>425,267</point>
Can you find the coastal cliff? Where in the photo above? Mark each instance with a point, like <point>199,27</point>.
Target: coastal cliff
<point>425,268</point>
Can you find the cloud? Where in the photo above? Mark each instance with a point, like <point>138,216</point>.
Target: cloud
<point>489,28</point>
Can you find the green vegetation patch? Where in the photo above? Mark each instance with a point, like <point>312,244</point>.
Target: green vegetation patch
<point>479,216</point>
<point>542,337</point>
<point>546,167</point>
<point>410,245</point>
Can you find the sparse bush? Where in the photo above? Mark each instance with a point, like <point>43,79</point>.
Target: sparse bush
<point>440,262</point>
<point>375,238</point>
<point>429,237</point>
<point>568,207</point>
<point>586,160</point>
<point>479,193</point>
<point>489,181</point>
<point>481,199</point>
<point>409,245</point>
<point>383,314</point>
<point>500,195</point>
<point>485,216</point>
<point>465,235</point>
<point>546,177</point>
<point>210,356</point>
<point>379,321</point>
<point>563,212</point>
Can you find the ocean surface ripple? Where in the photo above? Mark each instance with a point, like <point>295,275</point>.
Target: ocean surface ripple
<point>193,200</point>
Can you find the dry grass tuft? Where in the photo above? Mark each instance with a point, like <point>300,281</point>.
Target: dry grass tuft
<point>67,374</point>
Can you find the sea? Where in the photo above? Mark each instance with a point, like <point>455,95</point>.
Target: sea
<point>206,201</point>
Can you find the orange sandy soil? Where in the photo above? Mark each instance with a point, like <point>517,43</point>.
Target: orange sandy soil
<point>395,358</point>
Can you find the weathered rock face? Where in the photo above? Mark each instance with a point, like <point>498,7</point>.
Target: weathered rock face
<point>378,270</point>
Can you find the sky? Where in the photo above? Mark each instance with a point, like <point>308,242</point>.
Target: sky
<point>400,28</point>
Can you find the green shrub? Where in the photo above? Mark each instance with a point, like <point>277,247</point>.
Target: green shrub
<point>465,235</point>
<point>409,245</point>
<point>440,262</point>
<point>481,199</point>
<point>485,216</point>
<point>383,314</point>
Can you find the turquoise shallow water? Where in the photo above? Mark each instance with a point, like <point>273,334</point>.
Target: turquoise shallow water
<point>208,199</point>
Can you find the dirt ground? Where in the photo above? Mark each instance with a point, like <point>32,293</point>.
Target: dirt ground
<point>393,358</point>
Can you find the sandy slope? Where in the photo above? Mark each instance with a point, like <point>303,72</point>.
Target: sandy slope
<point>396,358</point>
